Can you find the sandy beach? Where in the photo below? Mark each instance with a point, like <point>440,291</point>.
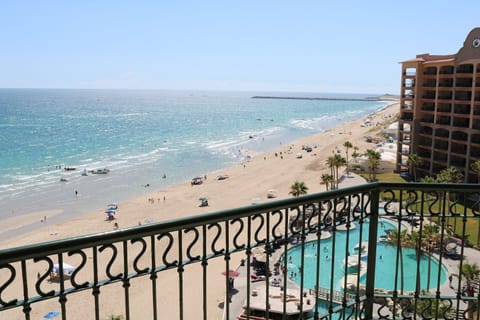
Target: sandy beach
<point>276,169</point>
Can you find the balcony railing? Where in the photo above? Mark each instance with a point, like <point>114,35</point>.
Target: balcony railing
<point>374,251</point>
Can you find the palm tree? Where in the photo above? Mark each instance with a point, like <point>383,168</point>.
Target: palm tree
<point>334,163</point>
<point>476,168</point>
<point>470,273</point>
<point>432,309</point>
<point>347,145</point>
<point>428,179</point>
<point>327,179</point>
<point>450,175</point>
<point>374,158</point>
<point>424,244</point>
<point>331,164</point>
<point>414,241</point>
<point>339,162</point>
<point>431,237</point>
<point>298,188</point>
<point>399,239</point>
<point>414,161</point>
<point>355,153</point>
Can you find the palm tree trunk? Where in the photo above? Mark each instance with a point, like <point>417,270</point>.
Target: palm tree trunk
<point>338,178</point>
<point>429,263</point>
<point>402,275</point>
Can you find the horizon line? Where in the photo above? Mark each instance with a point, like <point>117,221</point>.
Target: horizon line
<point>198,90</point>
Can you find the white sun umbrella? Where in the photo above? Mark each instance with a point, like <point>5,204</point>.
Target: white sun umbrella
<point>67,269</point>
<point>261,257</point>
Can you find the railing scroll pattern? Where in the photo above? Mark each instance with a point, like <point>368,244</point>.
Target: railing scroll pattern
<point>160,261</point>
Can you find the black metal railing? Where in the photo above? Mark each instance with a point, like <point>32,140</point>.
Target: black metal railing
<point>375,251</point>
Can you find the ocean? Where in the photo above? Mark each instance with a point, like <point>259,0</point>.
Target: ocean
<point>147,139</point>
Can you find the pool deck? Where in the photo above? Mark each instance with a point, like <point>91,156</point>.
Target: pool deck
<point>238,295</point>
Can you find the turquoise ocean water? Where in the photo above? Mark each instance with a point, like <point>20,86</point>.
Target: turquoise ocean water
<point>140,136</point>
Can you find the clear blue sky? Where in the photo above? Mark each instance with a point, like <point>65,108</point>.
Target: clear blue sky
<point>306,46</point>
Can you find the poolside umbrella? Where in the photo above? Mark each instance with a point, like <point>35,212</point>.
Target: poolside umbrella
<point>261,257</point>
<point>51,314</point>
<point>231,273</point>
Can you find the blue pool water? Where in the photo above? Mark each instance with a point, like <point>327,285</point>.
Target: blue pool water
<point>386,262</point>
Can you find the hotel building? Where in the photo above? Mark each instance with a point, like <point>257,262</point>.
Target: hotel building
<point>440,111</point>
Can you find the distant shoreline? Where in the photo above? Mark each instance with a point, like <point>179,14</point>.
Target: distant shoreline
<point>382,98</point>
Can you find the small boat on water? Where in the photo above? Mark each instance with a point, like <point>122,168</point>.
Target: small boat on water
<point>63,179</point>
<point>69,168</point>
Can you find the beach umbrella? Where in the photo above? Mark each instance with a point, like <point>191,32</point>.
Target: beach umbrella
<point>202,198</point>
<point>113,204</point>
<point>51,314</point>
<point>67,269</point>
<point>111,211</point>
<point>231,273</point>
<point>261,257</point>
<point>272,193</point>
<point>258,250</point>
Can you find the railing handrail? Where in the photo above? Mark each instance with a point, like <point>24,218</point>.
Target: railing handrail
<point>30,251</point>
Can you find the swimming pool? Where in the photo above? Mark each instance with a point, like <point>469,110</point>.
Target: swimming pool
<point>386,262</point>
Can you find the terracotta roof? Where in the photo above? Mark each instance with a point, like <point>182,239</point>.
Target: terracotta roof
<point>428,58</point>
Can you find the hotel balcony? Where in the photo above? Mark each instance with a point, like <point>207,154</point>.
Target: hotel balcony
<point>406,116</point>
<point>430,71</point>
<point>447,70</point>
<point>373,251</point>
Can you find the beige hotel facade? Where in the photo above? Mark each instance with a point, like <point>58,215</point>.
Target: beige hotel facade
<point>440,111</point>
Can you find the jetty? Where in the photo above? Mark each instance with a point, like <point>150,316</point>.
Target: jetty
<point>379,98</point>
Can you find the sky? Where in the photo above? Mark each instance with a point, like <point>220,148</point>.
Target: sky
<point>249,45</point>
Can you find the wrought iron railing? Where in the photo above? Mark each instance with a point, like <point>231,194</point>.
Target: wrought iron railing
<point>380,250</point>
